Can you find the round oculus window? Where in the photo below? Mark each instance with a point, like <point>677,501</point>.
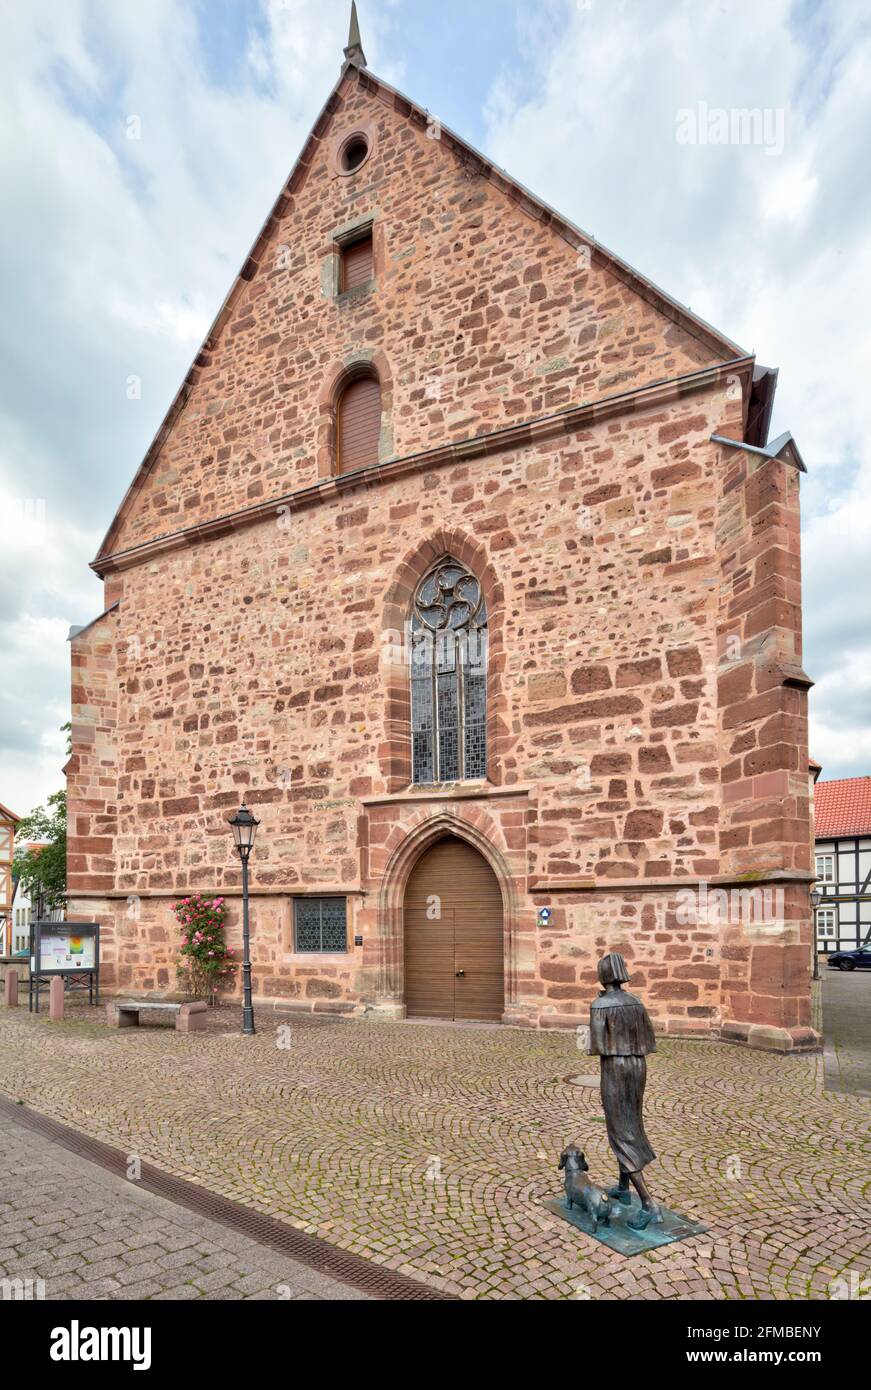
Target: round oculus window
<point>354,153</point>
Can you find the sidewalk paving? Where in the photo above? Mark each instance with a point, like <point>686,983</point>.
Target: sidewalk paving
<point>431,1148</point>
<point>69,1229</point>
<point>847,1031</point>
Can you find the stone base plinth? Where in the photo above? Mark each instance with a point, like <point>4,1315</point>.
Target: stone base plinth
<point>386,1012</point>
<point>771,1039</point>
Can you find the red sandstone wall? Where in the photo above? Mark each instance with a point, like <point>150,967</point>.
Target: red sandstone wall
<point>765,815</point>
<point>258,663</point>
<point>254,663</point>
<point>481,317</point>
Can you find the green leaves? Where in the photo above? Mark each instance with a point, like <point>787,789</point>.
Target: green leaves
<point>42,871</point>
<point>206,958</point>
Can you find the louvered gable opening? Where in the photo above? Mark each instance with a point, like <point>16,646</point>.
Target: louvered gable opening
<point>359,424</point>
<point>357,266</point>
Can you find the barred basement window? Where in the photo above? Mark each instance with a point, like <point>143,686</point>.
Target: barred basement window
<point>449,677</point>
<point>320,925</point>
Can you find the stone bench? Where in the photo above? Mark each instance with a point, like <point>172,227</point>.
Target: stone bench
<point>124,1013</point>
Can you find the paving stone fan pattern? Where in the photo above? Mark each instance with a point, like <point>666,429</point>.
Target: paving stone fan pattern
<point>431,1148</point>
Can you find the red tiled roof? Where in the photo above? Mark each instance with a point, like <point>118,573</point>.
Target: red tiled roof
<point>842,808</point>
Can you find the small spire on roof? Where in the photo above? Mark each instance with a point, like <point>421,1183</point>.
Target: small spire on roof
<point>354,54</point>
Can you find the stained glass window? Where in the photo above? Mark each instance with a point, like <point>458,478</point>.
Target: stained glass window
<point>449,676</point>
<point>320,925</point>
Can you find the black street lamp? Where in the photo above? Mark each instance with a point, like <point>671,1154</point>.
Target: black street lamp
<point>816,897</point>
<point>244,828</point>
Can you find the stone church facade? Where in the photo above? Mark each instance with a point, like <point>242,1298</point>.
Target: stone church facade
<point>462,556</point>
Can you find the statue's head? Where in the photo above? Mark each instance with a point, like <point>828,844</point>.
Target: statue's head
<point>612,970</point>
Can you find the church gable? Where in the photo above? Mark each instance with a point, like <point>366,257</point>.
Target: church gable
<point>396,251</point>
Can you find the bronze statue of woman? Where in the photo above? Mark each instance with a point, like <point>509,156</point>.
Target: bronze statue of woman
<point>621,1035</point>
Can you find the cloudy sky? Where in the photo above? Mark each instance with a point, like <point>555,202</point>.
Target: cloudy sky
<point>142,144</point>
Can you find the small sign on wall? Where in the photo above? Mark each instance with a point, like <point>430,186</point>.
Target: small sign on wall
<point>544,916</point>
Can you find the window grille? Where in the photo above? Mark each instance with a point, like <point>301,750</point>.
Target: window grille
<point>320,925</point>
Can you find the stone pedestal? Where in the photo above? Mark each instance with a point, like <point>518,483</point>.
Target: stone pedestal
<point>118,1018</point>
<point>56,999</point>
<point>11,988</point>
<point>192,1017</point>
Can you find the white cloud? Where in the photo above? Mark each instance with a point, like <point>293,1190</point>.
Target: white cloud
<point>790,194</point>
<point>773,249</point>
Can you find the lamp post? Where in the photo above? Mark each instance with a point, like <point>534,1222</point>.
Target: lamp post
<point>816,897</point>
<point>244,828</point>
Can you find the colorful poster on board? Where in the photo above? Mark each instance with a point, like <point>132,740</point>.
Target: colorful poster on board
<point>66,951</point>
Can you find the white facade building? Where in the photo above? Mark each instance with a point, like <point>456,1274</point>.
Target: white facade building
<point>842,816</point>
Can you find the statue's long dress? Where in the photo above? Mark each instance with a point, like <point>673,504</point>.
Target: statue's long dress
<point>621,1034</point>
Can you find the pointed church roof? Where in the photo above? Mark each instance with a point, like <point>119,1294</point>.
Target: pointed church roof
<point>354,70</point>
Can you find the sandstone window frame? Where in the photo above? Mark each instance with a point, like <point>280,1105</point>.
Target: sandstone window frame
<point>353,450</point>
<point>339,241</point>
<point>394,755</point>
<point>365,238</point>
<point>448,637</point>
<point>333,384</point>
<point>361,134</point>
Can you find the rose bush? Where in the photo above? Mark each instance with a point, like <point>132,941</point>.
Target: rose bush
<point>206,960</point>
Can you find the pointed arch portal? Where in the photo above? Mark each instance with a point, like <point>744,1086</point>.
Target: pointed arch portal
<point>454,937</point>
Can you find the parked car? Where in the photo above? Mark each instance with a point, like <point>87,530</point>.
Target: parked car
<point>859,959</point>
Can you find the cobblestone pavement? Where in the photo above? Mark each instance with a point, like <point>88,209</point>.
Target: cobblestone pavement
<point>89,1235</point>
<point>847,1031</point>
<point>431,1148</point>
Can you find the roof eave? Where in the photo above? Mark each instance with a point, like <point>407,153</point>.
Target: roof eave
<point>75,632</point>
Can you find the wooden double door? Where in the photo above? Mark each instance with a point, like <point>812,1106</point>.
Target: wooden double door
<point>454,936</point>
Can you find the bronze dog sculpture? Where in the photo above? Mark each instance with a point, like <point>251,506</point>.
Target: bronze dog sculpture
<point>580,1189</point>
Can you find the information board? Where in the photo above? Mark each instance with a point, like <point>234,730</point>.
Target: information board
<point>71,949</point>
<point>65,951</point>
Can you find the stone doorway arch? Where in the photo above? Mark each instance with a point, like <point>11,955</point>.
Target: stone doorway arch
<point>391,901</point>
<point>454,936</point>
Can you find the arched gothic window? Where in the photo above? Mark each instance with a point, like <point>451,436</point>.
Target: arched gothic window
<point>449,676</point>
